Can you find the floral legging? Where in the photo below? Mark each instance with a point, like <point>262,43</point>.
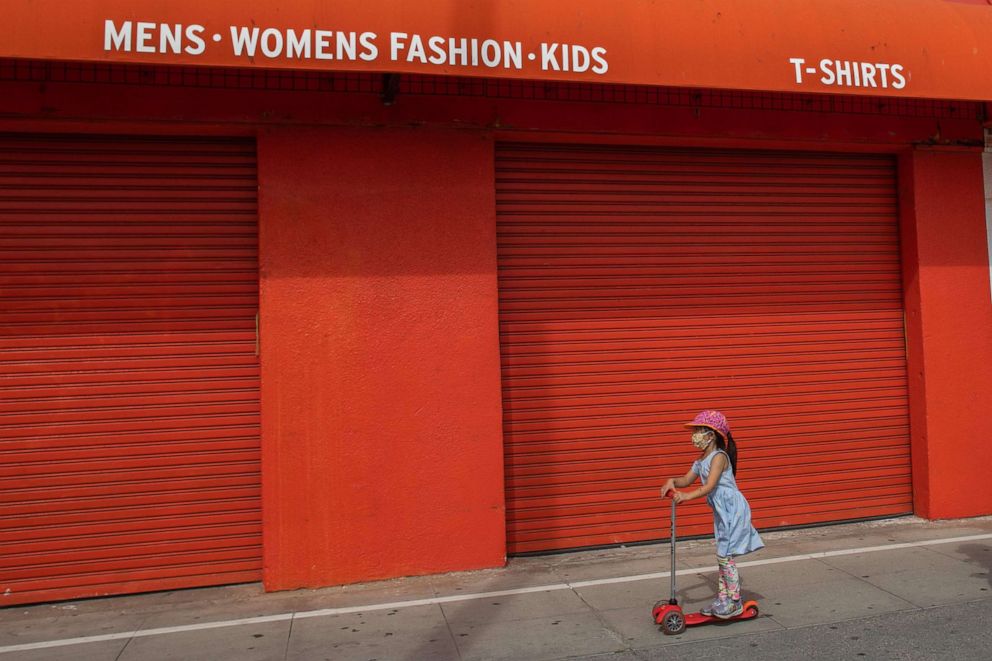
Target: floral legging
<point>730,579</point>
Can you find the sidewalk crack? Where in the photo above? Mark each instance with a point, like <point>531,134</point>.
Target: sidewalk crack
<point>610,631</point>
<point>451,633</point>
<point>136,630</point>
<point>117,658</point>
<point>289,637</point>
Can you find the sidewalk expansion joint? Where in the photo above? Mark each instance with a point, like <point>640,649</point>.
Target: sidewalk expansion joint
<point>610,631</point>
<point>451,632</point>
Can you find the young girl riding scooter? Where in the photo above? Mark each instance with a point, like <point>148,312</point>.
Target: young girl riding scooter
<point>735,535</point>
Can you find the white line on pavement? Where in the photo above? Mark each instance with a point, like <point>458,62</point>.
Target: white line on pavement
<point>325,612</point>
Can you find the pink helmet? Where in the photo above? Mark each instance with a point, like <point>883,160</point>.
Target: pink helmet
<point>714,420</point>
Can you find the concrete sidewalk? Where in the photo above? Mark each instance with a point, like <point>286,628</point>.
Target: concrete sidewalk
<point>563,606</point>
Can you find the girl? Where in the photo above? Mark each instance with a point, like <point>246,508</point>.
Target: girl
<point>717,465</point>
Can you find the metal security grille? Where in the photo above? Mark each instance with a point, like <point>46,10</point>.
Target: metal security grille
<point>129,406</point>
<point>640,285</point>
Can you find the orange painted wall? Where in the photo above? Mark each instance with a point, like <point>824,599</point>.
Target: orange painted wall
<point>382,441</point>
<point>949,332</point>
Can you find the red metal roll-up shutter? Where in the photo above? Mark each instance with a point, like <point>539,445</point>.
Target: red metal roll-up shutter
<point>641,285</point>
<point>129,407</point>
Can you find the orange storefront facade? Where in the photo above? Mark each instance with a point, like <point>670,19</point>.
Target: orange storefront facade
<point>317,295</point>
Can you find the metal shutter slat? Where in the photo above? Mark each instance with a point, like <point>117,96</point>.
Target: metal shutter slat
<point>640,285</point>
<point>129,430</point>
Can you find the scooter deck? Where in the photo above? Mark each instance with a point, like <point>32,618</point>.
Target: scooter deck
<point>750,612</point>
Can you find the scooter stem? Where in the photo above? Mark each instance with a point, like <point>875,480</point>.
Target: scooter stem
<point>673,600</point>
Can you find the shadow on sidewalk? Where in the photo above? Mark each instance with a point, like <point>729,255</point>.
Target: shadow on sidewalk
<point>981,556</point>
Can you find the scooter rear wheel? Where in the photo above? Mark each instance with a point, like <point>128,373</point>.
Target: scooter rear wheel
<point>673,623</point>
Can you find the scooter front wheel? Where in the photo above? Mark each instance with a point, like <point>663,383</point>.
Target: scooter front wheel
<point>673,623</point>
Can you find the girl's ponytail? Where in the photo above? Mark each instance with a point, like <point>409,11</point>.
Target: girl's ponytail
<point>732,452</point>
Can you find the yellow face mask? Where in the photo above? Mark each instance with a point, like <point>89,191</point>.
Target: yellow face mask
<point>702,438</point>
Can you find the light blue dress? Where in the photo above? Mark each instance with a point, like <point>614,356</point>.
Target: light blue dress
<point>735,535</point>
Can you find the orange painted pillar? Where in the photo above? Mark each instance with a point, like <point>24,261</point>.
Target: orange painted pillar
<point>381,407</point>
<point>949,331</point>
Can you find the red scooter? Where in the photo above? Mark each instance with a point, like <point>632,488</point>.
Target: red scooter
<point>670,616</point>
